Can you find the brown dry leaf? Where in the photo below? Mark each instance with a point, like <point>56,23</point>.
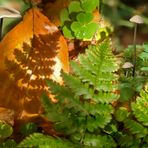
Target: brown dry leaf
<point>6,115</point>
<point>31,53</point>
<point>52,10</point>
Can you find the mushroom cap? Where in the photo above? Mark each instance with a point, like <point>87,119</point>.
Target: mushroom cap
<point>6,12</point>
<point>136,19</point>
<point>127,65</point>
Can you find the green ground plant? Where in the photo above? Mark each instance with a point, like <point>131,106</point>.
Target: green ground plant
<point>77,21</point>
<point>85,113</point>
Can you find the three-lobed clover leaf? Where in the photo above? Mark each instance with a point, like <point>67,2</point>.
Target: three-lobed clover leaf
<point>84,31</point>
<point>74,7</point>
<point>84,18</point>
<point>89,5</point>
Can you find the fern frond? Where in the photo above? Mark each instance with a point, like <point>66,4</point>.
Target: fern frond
<point>101,82</point>
<point>99,121</point>
<point>77,87</point>
<point>140,107</point>
<point>136,128</point>
<point>98,141</point>
<point>105,97</point>
<point>98,59</point>
<point>99,108</point>
<point>51,114</point>
<point>40,140</point>
<point>54,112</point>
<point>86,95</point>
<point>128,141</point>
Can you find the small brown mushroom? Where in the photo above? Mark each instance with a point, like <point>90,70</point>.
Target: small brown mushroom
<point>6,12</point>
<point>127,65</point>
<point>136,19</point>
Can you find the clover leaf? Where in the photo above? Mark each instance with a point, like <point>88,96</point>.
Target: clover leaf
<point>64,16</point>
<point>84,18</point>
<point>89,5</point>
<point>74,7</point>
<point>67,30</point>
<point>84,31</point>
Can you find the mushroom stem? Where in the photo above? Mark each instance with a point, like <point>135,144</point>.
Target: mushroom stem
<point>1,28</point>
<point>134,45</point>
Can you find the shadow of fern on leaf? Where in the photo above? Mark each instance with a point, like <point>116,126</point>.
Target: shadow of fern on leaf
<point>27,74</point>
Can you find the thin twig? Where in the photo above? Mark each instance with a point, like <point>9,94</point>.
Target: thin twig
<point>1,28</point>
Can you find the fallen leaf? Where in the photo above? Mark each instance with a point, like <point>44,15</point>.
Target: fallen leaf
<point>32,52</point>
<point>6,115</point>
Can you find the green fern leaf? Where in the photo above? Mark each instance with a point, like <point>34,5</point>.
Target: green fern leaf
<point>104,97</point>
<point>128,141</point>
<point>77,86</point>
<point>99,141</point>
<point>85,98</point>
<point>135,128</point>
<point>64,96</point>
<point>40,140</point>
<point>8,144</point>
<point>102,82</point>
<point>140,107</point>
<point>98,59</point>
<point>100,108</point>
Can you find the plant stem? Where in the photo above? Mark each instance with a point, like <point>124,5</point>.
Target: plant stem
<point>100,6</point>
<point>134,46</point>
<point>1,28</point>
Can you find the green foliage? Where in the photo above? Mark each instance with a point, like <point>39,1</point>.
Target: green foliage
<point>8,144</point>
<point>121,114</point>
<point>140,107</point>
<point>141,59</point>
<point>41,141</point>
<point>77,21</point>
<point>121,11</point>
<point>99,141</point>
<point>144,58</point>
<point>5,130</point>
<point>136,128</point>
<point>28,128</point>
<point>84,101</point>
<point>89,5</point>
<point>132,85</point>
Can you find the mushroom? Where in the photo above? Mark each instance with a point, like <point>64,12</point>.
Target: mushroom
<point>6,12</point>
<point>136,19</point>
<point>127,65</point>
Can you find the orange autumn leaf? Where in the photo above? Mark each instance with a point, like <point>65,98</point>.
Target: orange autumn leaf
<point>34,23</point>
<point>52,10</point>
<point>30,53</point>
